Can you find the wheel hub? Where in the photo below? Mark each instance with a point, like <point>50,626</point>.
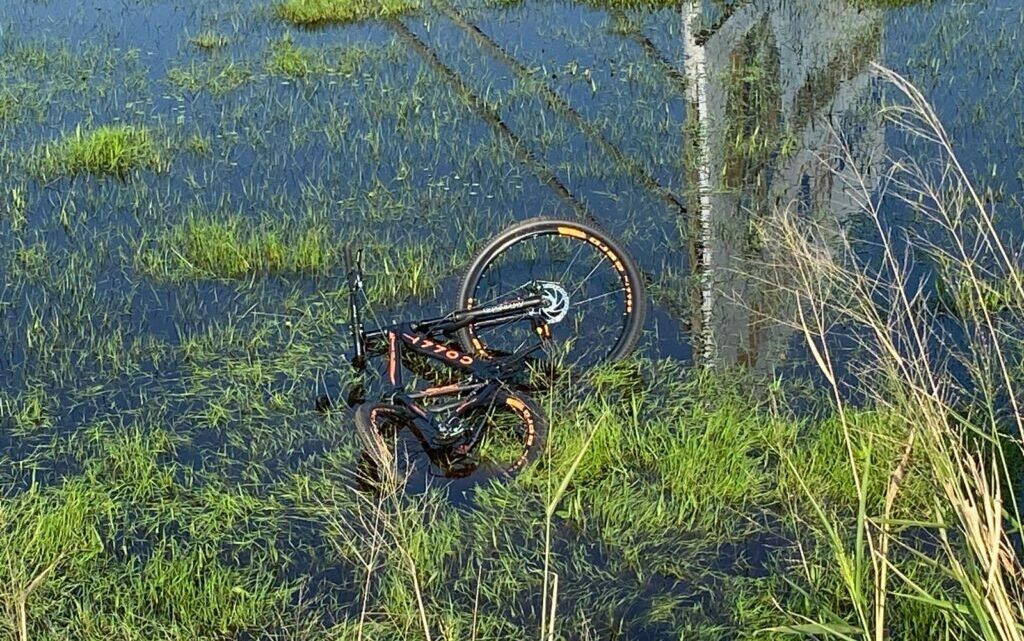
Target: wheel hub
<point>556,302</point>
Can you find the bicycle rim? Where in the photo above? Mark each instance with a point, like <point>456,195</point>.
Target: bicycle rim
<point>575,266</point>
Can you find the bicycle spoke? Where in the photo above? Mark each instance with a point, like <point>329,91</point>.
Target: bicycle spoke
<point>599,296</point>
<point>579,250</point>
<point>587,278</point>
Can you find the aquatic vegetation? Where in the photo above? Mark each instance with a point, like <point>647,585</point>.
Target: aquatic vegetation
<point>28,412</point>
<point>288,59</point>
<point>967,292</point>
<point>166,340</point>
<point>314,12</point>
<point>217,76</point>
<point>232,246</point>
<point>210,40</point>
<point>15,206</point>
<point>9,107</point>
<point>110,149</point>
<point>955,434</point>
<point>199,144</point>
<point>30,260</point>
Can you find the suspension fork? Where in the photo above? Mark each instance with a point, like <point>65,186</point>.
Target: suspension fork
<point>355,288</point>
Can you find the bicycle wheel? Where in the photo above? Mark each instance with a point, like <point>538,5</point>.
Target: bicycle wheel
<point>514,434</point>
<point>512,427</point>
<point>376,426</point>
<point>595,299</point>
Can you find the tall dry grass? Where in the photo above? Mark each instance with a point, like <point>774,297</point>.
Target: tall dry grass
<point>936,309</point>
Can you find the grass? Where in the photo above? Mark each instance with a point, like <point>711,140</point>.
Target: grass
<point>217,76</point>
<point>959,291</point>
<point>15,207</point>
<point>158,542</point>
<point>9,107</point>
<point>235,247</point>
<point>58,541</point>
<point>316,12</point>
<point>107,150</point>
<point>27,413</point>
<point>159,446</point>
<point>971,582</point>
<point>286,58</point>
<point>210,41</point>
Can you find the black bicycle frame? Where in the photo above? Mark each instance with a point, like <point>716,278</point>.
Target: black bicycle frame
<point>427,329</point>
<point>421,337</point>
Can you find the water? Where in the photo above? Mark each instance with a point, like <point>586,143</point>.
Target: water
<point>442,132</point>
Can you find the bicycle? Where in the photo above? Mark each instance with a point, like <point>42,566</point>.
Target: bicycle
<point>521,303</point>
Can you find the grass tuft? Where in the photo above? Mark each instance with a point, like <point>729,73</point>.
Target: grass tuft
<point>210,41</point>
<point>108,150</point>
<point>235,247</point>
<point>288,59</point>
<point>8,106</point>
<point>315,12</point>
<point>216,76</point>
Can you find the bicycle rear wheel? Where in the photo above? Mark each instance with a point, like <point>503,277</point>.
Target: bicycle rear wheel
<point>513,430</point>
<point>594,293</point>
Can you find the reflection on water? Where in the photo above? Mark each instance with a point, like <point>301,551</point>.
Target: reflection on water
<point>770,85</point>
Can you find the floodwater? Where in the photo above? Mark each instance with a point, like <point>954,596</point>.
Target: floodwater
<point>444,127</point>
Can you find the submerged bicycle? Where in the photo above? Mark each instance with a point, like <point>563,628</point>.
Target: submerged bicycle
<point>557,293</point>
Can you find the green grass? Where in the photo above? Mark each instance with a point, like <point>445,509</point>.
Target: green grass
<point>288,59</point>
<point>107,150</point>
<point>314,12</point>
<point>966,292</point>
<point>217,76</point>
<point>234,246</point>
<point>60,541</point>
<point>679,466</point>
<point>28,413</point>
<point>210,40</point>
<point>206,246</point>
<point>9,106</point>
<point>158,443</point>
<point>14,207</point>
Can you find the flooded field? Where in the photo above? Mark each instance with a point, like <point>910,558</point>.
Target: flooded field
<point>178,181</point>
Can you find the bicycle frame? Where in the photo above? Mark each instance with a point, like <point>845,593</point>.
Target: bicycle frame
<point>422,337</point>
<point>429,328</point>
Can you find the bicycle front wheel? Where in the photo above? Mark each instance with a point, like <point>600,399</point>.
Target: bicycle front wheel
<point>593,291</point>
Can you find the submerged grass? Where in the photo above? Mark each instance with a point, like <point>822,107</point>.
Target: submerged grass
<point>660,487</point>
<point>169,478</point>
<point>314,12</point>
<point>110,149</point>
<point>9,106</point>
<point>236,246</point>
<point>286,58</point>
<point>217,76</point>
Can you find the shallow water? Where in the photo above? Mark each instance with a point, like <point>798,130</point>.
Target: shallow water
<point>392,147</point>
